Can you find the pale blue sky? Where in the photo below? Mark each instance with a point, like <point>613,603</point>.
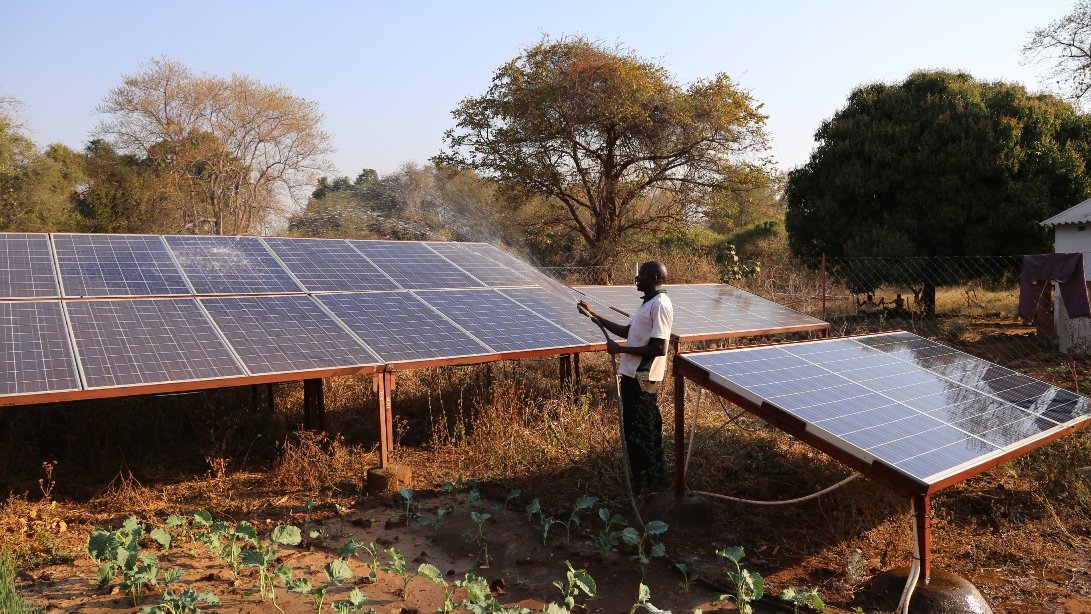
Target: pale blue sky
<point>387,75</point>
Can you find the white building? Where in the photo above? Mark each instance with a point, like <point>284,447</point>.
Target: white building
<point>1071,234</point>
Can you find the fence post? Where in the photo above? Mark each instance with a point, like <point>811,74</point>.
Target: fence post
<point>823,286</point>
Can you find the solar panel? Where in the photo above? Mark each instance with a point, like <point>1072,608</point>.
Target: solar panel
<point>147,341</point>
<point>751,303</point>
<point>230,265</point>
<point>279,334</point>
<point>413,265</point>
<point>474,258</point>
<point>499,322</point>
<point>35,352</point>
<point>401,327</point>
<point>26,266</point>
<point>328,265</point>
<point>629,300</point>
<point>116,265</point>
<point>557,309</point>
<point>916,405</point>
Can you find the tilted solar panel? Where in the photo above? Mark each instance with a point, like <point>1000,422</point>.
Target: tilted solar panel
<point>328,265</point>
<point>230,265</point>
<point>401,327</point>
<point>35,351</point>
<point>280,334</point>
<point>753,304</point>
<point>116,265</point>
<point>472,258</point>
<point>26,266</point>
<point>413,265</point>
<point>499,322</point>
<point>629,300</point>
<point>560,310</point>
<point>925,409</point>
<point>147,341</point>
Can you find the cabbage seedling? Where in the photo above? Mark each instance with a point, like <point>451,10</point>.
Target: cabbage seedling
<point>576,581</point>
<point>355,602</point>
<point>583,503</point>
<point>407,496</point>
<point>478,537</point>
<point>397,565</point>
<point>119,550</point>
<point>643,600</point>
<point>184,602</point>
<point>749,586</point>
<point>434,523</point>
<point>641,541</point>
<point>803,597</point>
<point>606,541</point>
<point>431,572</point>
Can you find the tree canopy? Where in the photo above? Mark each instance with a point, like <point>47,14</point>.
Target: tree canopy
<point>1065,44</point>
<point>938,165</point>
<point>614,144</point>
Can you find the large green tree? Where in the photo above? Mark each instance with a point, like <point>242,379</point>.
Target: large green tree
<point>36,187</point>
<point>938,165</point>
<point>615,145</point>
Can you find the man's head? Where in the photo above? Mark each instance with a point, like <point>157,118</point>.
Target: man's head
<point>650,276</point>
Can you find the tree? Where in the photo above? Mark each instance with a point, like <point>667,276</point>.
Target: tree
<point>1066,43</point>
<point>938,165</point>
<point>233,148</point>
<point>610,139</point>
<point>35,187</point>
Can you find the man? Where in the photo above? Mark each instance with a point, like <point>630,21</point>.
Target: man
<point>643,365</point>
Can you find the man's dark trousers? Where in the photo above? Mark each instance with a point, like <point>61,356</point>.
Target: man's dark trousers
<point>644,437</point>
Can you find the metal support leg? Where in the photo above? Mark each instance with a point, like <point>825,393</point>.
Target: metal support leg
<point>679,436</point>
<point>923,518</point>
<point>565,370</point>
<point>576,370</point>
<point>314,406</point>
<point>378,382</point>
<point>391,383</point>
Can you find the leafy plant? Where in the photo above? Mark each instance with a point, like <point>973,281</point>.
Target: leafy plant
<point>576,581</point>
<point>687,578</point>
<point>646,546</point>
<point>480,600</point>
<point>375,567</point>
<point>434,523</point>
<point>477,536</point>
<point>582,504</point>
<point>534,508</point>
<point>10,600</point>
<point>749,586</point>
<point>803,597</point>
<point>119,551</point>
<point>397,565</point>
<point>407,496</point>
<point>514,494</point>
<point>431,572</point>
<point>263,558</point>
<point>186,601</point>
<point>607,540</point>
<point>355,602</point>
<point>643,600</point>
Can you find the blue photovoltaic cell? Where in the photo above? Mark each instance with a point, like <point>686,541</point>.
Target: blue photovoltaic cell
<point>147,341</point>
<point>499,322</point>
<point>910,402</point>
<point>560,310</point>
<point>686,322</point>
<point>400,327</point>
<point>280,334</point>
<point>35,352</point>
<point>413,265</point>
<point>116,265</point>
<point>230,265</point>
<point>474,259</point>
<point>328,265</point>
<point>26,266</point>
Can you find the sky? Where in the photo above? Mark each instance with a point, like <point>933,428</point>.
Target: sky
<point>388,74</point>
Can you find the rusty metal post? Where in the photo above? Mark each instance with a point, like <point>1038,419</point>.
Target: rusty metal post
<point>314,405</point>
<point>679,435</point>
<point>923,519</point>
<point>391,383</point>
<point>565,370</point>
<point>378,383</point>
<point>576,370</point>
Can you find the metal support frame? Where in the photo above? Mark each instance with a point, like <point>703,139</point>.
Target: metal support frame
<point>576,371</point>
<point>679,435</point>
<point>314,405</point>
<point>565,370</point>
<point>384,383</point>
<point>923,517</point>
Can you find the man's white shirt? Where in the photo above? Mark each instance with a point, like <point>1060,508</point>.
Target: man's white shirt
<point>653,319</point>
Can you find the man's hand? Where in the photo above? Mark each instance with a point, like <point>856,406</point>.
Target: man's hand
<point>586,310</point>
<point>613,347</point>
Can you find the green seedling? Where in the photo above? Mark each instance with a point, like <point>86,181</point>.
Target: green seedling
<point>643,601</point>
<point>514,494</point>
<point>576,581</point>
<point>434,523</point>
<point>355,602</point>
<point>646,546</point>
<point>477,536</point>
<point>807,597</point>
<point>119,551</point>
<point>431,572</point>
<point>749,586</point>
<point>687,578</point>
<point>582,504</point>
<point>480,600</point>
<point>534,508</point>
<point>607,540</point>
<point>263,559</point>
<point>407,496</point>
<point>375,567</point>
<point>397,565</point>
<point>186,601</point>
<point>177,524</point>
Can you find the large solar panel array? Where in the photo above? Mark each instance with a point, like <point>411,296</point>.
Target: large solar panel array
<point>710,310</point>
<point>923,408</point>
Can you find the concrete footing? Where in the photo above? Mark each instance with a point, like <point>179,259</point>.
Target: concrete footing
<point>388,480</point>
<point>945,593</point>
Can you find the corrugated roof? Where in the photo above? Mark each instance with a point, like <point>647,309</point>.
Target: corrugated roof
<point>1080,214</point>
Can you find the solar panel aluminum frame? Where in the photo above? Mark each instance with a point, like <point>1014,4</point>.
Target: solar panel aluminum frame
<point>847,454</point>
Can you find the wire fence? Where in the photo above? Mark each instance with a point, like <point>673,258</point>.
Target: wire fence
<point>970,303</point>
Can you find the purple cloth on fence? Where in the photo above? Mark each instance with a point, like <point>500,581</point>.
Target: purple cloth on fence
<point>1066,270</point>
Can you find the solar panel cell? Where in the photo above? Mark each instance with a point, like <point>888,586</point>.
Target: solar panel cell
<point>26,266</point>
<point>280,334</point>
<point>230,265</point>
<point>325,265</point>
<point>35,353</point>
<point>147,341</point>
<point>560,310</point>
<point>472,258</point>
<point>400,327</point>
<point>414,265</point>
<point>499,322</point>
<point>116,265</point>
